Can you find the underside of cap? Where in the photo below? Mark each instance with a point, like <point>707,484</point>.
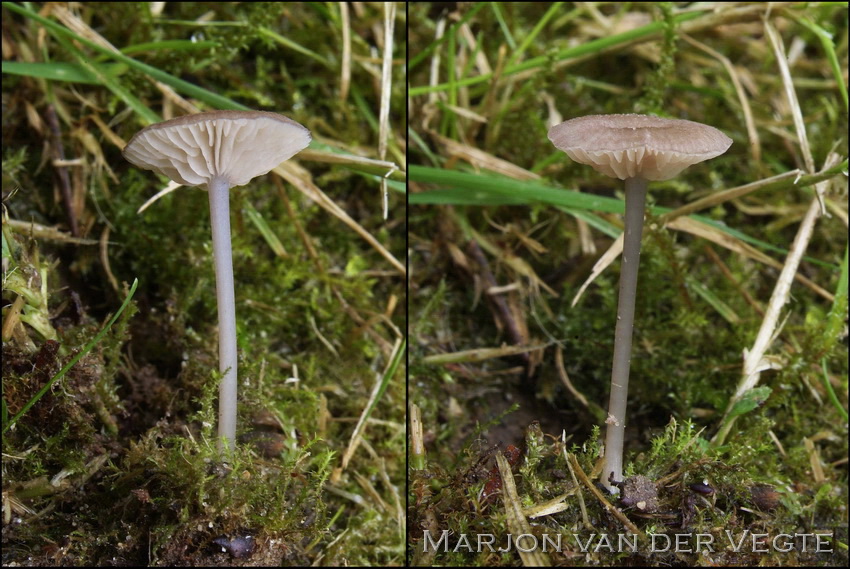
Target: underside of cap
<point>236,146</point>
<point>629,146</point>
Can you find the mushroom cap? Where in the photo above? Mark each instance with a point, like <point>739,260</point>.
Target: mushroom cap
<point>629,146</point>
<point>234,145</point>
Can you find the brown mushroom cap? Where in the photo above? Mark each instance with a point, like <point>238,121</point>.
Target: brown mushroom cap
<point>234,145</point>
<point>629,146</point>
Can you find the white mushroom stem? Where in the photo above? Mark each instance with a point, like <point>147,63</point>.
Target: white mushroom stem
<point>616,422</point>
<point>219,150</point>
<point>219,190</point>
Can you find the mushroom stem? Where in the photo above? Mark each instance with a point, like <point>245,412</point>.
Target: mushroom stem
<point>219,190</point>
<point>635,200</point>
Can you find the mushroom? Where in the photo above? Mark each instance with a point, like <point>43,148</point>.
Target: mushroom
<point>637,149</point>
<point>218,150</point>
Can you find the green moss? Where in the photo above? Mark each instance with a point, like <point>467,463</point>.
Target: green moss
<point>117,465</point>
<point>701,301</point>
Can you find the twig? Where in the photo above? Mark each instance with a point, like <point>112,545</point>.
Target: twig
<point>345,71</point>
<point>603,500</point>
<point>581,505</point>
<point>386,85</point>
<point>754,360</point>
<point>61,170</point>
<point>515,518</point>
<point>500,305</point>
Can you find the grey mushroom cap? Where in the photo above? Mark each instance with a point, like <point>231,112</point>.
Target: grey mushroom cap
<point>236,146</point>
<point>630,146</point>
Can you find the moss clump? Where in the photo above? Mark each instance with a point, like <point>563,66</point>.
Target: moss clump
<point>484,89</point>
<point>115,465</point>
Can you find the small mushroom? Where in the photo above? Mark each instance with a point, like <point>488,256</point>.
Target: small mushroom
<point>637,149</point>
<point>218,150</point>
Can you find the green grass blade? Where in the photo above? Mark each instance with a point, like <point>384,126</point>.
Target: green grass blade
<point>830,391</point>
<point>590,47</point>
<point>117,89</point>
<point>61,71</point>
<point>170,45</point>
<point>184,87</point>
<point>286,42</point>
<point>828,45</point>
<point>399,350</point>
<point>263,227</point>
<point>179,85</point>
<point>462,188</point>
